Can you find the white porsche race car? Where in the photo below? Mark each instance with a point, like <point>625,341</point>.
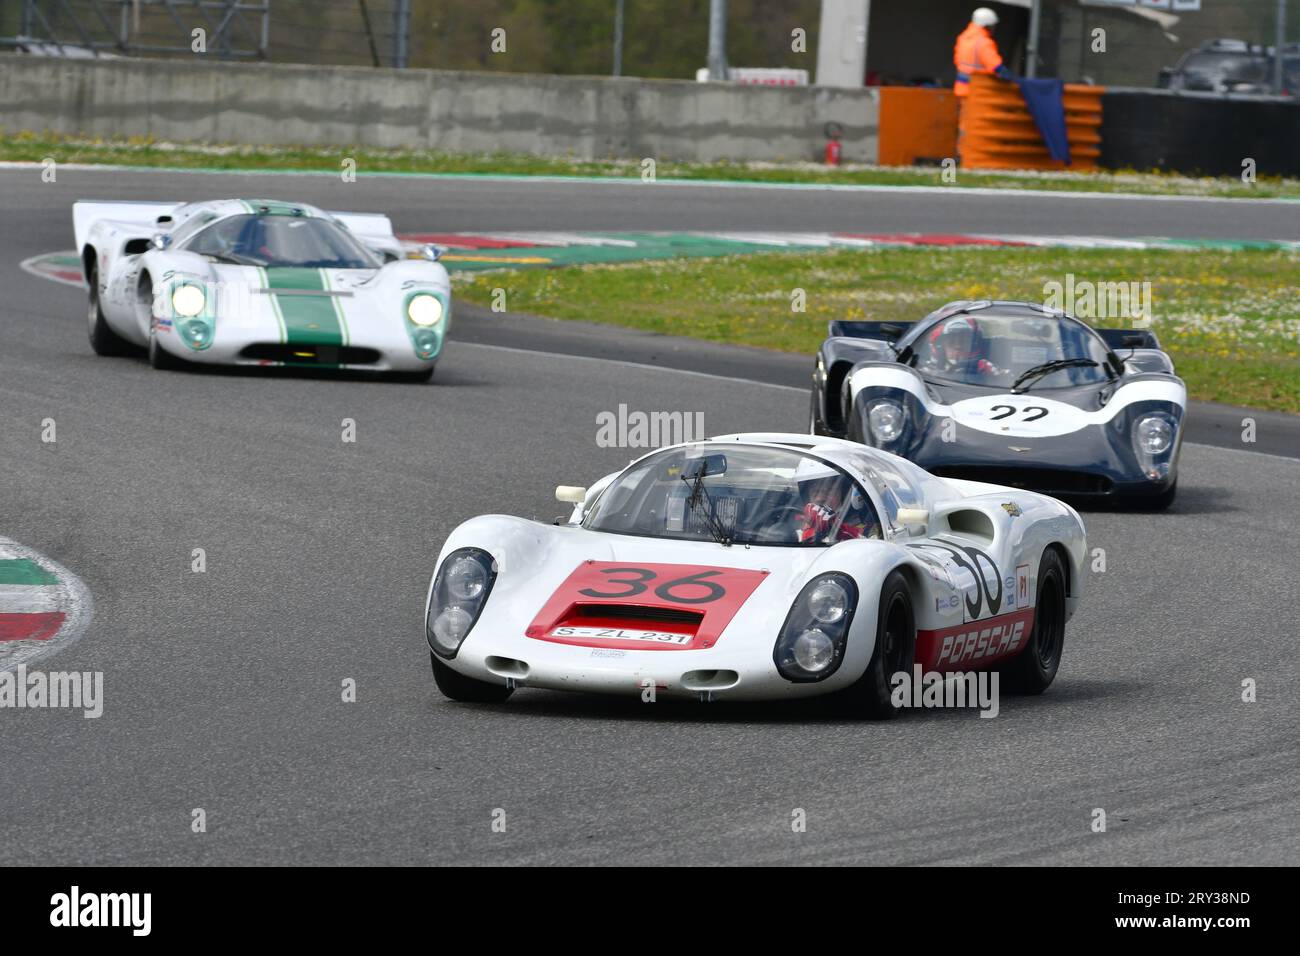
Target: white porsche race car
<point>256,282</point>
<point>759,566</point>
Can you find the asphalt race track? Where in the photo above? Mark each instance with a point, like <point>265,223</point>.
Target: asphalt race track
<point>222,689</point>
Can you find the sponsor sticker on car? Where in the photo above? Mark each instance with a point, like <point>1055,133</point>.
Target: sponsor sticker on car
<point>974,645</point>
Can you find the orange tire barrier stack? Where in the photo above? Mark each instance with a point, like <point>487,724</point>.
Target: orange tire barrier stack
<point>997,131</point>
<point>917,123</point>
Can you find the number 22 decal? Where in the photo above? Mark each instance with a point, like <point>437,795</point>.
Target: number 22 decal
<point>1011,410</point>
<point>668,591</point>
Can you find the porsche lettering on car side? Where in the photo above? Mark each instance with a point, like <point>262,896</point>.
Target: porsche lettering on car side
<point>757,567</point>
<point>1012,393</point>
<point>260,282</point>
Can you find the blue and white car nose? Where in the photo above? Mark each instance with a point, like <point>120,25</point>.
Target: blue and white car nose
<point>1027,414</point>
<point>1031,415</point>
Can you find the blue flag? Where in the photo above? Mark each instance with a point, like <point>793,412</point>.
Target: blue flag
<point>1043,97</point>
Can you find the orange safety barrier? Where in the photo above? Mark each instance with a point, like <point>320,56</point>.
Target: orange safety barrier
<point>917,124</point>
<point>997,131</point>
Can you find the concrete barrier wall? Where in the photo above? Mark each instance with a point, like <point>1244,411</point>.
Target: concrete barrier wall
<point>582,117</point>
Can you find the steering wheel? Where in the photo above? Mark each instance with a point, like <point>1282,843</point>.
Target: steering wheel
<point>777,516</point>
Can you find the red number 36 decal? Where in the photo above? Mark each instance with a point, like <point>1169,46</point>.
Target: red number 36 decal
<point>603,588</point>
<point>683,590</point>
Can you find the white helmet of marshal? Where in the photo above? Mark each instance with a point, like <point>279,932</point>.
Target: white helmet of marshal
<point>983,17</point>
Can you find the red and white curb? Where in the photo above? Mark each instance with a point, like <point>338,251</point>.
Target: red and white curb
<point>44,607</point>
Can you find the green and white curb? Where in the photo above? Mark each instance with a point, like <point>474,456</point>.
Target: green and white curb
<point>480,251</point>
<point>44,607</point>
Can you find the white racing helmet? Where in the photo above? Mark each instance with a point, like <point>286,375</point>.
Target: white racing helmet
<point>984,17</point>
<point>810,469</point>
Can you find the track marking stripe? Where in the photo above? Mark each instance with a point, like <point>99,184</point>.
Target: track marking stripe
<point>31,627</point>
<point>22,571</point>
<point>29,599</point>
<point>627,364</point>
<point>1001,193</point>
<point>44,607</point>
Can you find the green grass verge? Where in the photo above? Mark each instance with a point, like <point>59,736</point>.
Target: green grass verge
<point>1228,319</point>
<point>34,147</point>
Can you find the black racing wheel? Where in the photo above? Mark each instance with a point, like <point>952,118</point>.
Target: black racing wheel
<point>466,689</point>
<point>1034,668</point>
<point>103,340</point>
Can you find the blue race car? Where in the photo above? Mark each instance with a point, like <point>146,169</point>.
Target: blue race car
<point>1011,393</point>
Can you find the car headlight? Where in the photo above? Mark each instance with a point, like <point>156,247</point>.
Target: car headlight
<point>424,309</point>
<point>426,343</point>
<point>828,601</point>
<point>813,650</point>
<point>196,333</point>
<point>460,590</point>
<point>466,579</point>
<point>188,300</point>
<point>1154,434</point>
<point>886,419</point>
<point>811,644</point>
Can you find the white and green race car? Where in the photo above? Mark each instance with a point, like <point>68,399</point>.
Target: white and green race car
<point>256,282</point>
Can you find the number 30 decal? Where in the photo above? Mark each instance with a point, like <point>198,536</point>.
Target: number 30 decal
<point>1010,410</point>
<point>668,591</point>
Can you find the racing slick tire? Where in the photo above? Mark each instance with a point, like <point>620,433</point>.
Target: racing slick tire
<point>103,340</point>
<point>1160,502</point>
<point>161,359</point>
<point>415,378</point>
<point>815,426</point>
<point>895,651</point>
<point>1034,668</point>
<point>466,689</point>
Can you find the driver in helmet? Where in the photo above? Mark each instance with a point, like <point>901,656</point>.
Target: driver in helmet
<point>826,511</point>
<point>955,349</point>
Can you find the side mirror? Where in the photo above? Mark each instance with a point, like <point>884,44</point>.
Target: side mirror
<point>431,252</point>
<point>913,519</point>
<point>570,494</point>
<point>161,241</point>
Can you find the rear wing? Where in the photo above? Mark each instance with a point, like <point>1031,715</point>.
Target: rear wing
<point>1117,339</point>
<point>883,331</point>
<point>144,215</point>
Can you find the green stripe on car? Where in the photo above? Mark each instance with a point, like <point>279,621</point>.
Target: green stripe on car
<point>305,319</point>
<point>338,308</point>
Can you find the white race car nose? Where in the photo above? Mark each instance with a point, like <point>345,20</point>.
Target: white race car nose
<point>695,681</point>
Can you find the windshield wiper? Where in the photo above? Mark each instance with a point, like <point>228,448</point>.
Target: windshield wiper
<point>1047,368</point>
<point>701,494</point>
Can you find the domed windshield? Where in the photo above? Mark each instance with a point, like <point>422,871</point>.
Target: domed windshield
<point>280,240</point>
<point>1006,351</point>
<point>736,494</point>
